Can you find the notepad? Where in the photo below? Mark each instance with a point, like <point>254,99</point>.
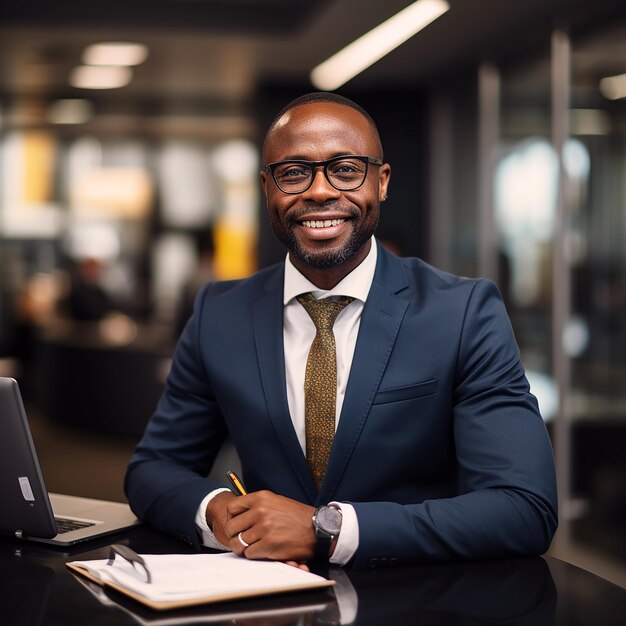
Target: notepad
<point>180,580</point>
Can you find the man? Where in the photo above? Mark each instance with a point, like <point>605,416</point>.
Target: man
<point>437,451</point>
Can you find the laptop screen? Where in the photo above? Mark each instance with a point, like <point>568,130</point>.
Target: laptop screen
<point>26,507</point>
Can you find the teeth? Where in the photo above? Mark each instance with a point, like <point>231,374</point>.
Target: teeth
<point>322,223</point>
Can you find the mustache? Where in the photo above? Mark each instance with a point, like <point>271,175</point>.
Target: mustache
<point>296,213</point>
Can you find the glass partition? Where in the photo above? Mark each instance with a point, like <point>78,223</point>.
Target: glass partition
<point>525,186</point>
<point>533,195</point>
<point>595,339</point>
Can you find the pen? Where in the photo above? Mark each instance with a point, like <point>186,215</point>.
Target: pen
<point>235,481</point>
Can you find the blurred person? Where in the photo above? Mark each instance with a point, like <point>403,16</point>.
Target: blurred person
<point>405,433</point>
<point>203,274</point>
<point>35,307</point>
<point>87,300</point>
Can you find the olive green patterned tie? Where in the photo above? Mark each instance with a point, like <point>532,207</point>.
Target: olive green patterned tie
<point>320,383</point>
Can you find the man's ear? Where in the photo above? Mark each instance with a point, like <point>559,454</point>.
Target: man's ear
<point>384,176</point>
<point>263,175</point>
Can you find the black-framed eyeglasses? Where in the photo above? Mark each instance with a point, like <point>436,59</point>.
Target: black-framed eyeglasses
<point>129,555</point>
<point>345,173</point>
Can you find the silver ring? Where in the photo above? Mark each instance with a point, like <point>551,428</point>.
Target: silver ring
<point>245,544</point>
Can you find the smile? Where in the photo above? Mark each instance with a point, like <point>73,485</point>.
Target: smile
<point>322,223</point>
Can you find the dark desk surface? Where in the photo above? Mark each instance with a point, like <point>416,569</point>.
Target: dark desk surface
<point>36,588</point>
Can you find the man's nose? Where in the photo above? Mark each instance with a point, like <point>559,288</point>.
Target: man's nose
<point>320,188</point>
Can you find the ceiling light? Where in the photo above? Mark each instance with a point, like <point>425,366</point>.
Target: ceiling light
<point>614,87</point>
<point>375,44</point>
<point>70,111</point>
<point>100,77</point>
<point>115,53</point>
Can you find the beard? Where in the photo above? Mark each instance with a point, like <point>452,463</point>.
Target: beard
<point>324,259</point>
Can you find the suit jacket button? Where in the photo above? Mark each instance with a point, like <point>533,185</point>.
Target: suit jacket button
<point>373,562</point>
<point>393,561</point>
<point>384,562</point>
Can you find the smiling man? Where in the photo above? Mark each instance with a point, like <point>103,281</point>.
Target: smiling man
<point>326,222</point>
<point>378,405</point>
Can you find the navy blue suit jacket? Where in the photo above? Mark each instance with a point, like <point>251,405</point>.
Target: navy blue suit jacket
<point>440,446</point>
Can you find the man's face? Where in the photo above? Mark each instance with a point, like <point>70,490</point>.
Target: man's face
<point>316,132</point>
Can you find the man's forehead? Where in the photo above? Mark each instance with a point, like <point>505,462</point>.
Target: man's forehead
<point>320,121</point>
<point>313,111</point>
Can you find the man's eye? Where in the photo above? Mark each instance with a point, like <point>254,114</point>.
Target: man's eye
<point>347,166</point>
<point>295,171</point>
<point>346,169</point>
<point>292,171</point>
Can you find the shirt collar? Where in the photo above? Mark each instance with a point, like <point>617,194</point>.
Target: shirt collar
<point>356,284</point>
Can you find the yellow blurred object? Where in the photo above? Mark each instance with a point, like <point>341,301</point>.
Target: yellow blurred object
<point>235,245</point>
<point>39,149</point>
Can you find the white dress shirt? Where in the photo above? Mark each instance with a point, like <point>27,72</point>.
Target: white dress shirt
<point>298,334</point>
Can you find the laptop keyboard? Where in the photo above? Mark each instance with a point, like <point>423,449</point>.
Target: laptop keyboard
<point>65,525</point>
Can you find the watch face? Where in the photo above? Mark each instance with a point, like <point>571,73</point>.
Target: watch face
<point>328,519</point>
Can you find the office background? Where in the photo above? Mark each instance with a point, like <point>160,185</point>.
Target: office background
<point>505,124</point>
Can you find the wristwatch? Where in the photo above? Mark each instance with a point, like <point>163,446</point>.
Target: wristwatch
<point>327,525</point>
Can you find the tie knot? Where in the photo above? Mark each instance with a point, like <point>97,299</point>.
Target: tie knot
<point>323,312</point>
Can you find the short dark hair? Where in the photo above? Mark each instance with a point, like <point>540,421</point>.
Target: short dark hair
<point>322,96</point>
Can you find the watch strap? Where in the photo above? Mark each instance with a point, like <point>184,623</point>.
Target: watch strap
<point>322,546</point>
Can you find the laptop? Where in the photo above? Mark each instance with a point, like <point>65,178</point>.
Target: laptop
<point>27,510</point>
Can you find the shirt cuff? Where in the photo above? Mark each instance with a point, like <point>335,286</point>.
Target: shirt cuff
<point>348,540</point>
<point>206,534</point>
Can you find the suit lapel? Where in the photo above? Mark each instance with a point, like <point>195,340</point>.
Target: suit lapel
<point>380,322</point>
<point>268,334</point>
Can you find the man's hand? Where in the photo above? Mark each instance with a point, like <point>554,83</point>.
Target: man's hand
<point>276,527</point>
<point>217,515</point>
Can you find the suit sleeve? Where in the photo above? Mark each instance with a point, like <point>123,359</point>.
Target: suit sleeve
<point>506,502</point>
<point>166,478</point>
